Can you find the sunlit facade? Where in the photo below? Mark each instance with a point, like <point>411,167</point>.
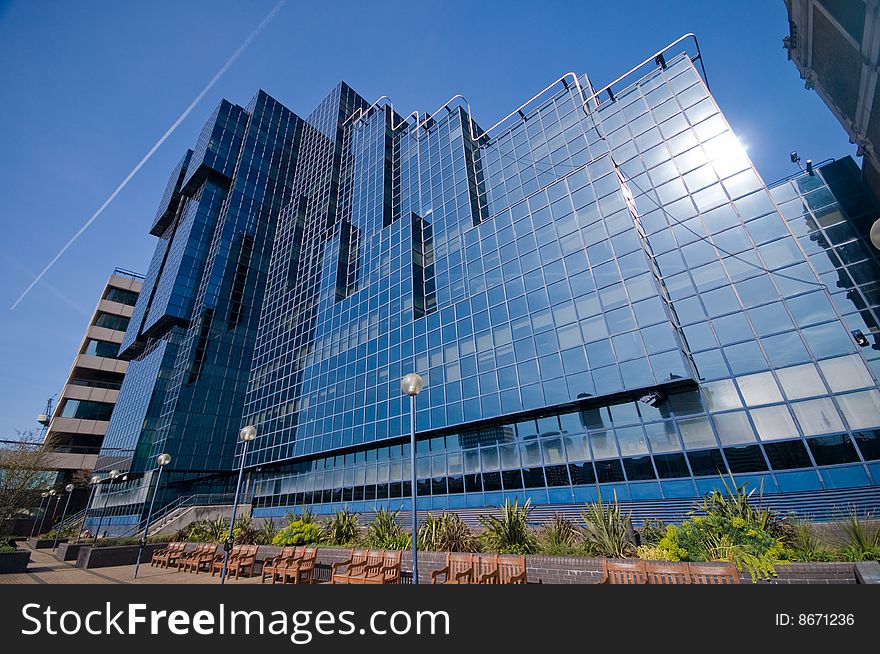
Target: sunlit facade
<point>600,292</point>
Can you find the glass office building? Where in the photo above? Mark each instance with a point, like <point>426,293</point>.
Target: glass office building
<point>600,292</point>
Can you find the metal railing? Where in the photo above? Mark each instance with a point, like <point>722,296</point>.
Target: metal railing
<point>185,502</point>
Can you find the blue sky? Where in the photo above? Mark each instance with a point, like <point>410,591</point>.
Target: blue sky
<point>86,88</point>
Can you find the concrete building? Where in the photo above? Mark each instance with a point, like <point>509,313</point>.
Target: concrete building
<point>835,45</point>
<point>77,425</point>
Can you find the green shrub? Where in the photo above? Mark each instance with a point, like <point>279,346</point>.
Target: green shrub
<point>7,545</point>
<point>862,537</point>
<point>804,545</point>
<point>298,533</point>
<point>342,528</point>
<point>652,531</point>
<point>561,537</point>
<point>208,531</point>
<point>509,533</point>
<point>385,532</point>
<point>447,533</point>
<point>731,530</point>
<point>607,529</point>
<point>266,532</point>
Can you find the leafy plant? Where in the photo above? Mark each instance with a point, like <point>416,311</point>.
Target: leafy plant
<point>862,537</point>
<point>652,531</point>
<point>509,533</point>
<point>447,533</point>
<point>209,530</point>
<point>244,532</point>
<point>731,529</point>
<point>298,533</point>
<point>305,516</point>
<point>385,531</point>
<point>266,532</point>
<point>561,537</point>
<point>607,529</point>
<point>805,545</point>
<point>342,528</point>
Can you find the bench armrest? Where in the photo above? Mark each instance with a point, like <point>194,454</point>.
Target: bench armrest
<point>437,573</point>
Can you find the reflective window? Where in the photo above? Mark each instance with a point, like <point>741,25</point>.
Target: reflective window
<point>774,423</point>
<point>817,416</point>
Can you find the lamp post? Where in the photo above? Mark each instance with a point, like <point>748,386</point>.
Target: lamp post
<point>113,475</point>
<point>43,497</point>
<point>246,435</point>
<point>69,488</point>
<point>163,460</point>
<point>52,493</point>
<point>94,481</point>
<point>412,385</point>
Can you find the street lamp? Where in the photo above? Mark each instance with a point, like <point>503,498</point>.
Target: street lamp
<point>69,488</point>
<point>163,460</point>
<point>52,493</point>
<point>246,435</point>
<point>43,496</point>
<point>94,481</point>
<point>113,475</point>
<point>412,385</point>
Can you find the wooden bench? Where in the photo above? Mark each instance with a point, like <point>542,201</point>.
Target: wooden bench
<point>245,560</point>
<point>386,571</point>
<point>502,569</point>
<point>663,573</point>
<point>300,570</point>
<point>342,570</point>
<point>234,553</point>
<point>270,565</point>
<point>186,558</point>
<point>168,556</point>
<point>459,569</point>
<point>205,556</point>
<point>708,573</point>
<point>623,572</point>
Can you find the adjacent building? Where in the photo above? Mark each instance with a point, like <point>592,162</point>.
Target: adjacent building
<point>79,422</point>
<point>600,292</point>
<point>835,45</point>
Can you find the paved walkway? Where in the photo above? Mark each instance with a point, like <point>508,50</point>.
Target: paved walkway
<point>46,569</point>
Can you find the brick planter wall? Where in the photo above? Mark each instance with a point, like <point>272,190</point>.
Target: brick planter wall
<point>69,551</point>
<point>43,543</point>
<point>105,557</point>
<point>17,561</point>
<point>577,570</point>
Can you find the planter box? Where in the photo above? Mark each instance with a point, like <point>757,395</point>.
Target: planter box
<point>44,543</point>
<point>69,551</point>
<point>106,557</point>
<point>14,561</point>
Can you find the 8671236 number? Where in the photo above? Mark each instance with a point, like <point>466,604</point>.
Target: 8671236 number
<point>815,619</point>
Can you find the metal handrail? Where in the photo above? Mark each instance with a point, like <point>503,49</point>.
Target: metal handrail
<point>653,59</point>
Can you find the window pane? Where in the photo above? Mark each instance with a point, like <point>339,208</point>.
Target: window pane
<point>784,456</point>
<point>832,450</point>
<point>846,373</point>
<point>696,433</point>
<point>801,381</point>
<point>861,410</point>
<point>759,389</point>
<point>734,428</point>
<point>818,416</point>
<point>662,437</point>
<point>603,444</point>
<point>774,423</point>
<point>721,395</point>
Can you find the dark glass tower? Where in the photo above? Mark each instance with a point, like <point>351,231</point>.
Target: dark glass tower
<point>191,336</point>
<point>600,292</point>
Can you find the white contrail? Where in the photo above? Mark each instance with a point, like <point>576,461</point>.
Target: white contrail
<point>168,132</point>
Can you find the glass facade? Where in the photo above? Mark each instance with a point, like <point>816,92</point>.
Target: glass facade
<point>600,296</point>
